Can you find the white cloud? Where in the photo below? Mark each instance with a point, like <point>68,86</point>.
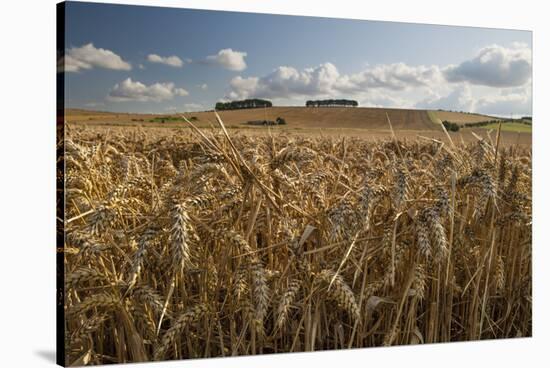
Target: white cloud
<point>494,66</point>
<point>397,76</point>
<point>228,59</point>
<point>326,80</point>
<point>88,56</point>
<point>141,66</point>
<point>167,60</point>
<point>488,83</point>
<point>203,86</point>
<point>244,87</point>
<point>180,92</point>
<point>505,103</point>
<point>129,90</point>
<point>287,82</point>
<point>460,99</point>
<point>485,101</point>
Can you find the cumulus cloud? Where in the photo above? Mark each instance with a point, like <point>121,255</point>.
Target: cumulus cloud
<point>244,87</point>
<point>203,86</point>
<point>496,81</point>
<point>228,59</point>
<point>505,103</point>
<point>88,57</point>
<point>129,90</point>
<point>488,101</point>
<point>397,77</point>
<point>167,60</point>
<point>326,80</point>
<point>460,99</point>
<point>287,82</point>
<point>494,66</point>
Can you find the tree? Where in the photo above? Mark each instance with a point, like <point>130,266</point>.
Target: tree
<point>243,104</point>
<point>331,103</point>
<point>453,127</point>
<point>280,121</point>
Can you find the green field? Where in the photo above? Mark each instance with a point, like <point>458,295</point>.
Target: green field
<point>433,117</point>
<point>511,127</point>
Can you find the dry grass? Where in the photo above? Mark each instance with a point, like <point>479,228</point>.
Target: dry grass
<point>205,245</point>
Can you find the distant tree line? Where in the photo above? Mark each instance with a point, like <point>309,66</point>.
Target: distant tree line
<point>460,111</point>
<point>523,120</point>
<point>481,123</point>
<point>243,104</point>
<point>331,103</point>
<point>278,121</point>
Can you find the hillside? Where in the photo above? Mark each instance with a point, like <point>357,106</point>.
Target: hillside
<point>296,117</point>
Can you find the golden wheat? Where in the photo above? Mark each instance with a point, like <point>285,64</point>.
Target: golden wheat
<point>194,243</point>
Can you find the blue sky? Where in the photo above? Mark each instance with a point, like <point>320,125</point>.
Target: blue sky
<point>149,59</point>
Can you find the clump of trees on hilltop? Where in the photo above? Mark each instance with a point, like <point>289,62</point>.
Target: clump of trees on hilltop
<point>331,103</point>
<point>453,127</point>
<point>243,104</point>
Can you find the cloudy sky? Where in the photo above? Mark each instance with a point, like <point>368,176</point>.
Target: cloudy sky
<point>147,59</point>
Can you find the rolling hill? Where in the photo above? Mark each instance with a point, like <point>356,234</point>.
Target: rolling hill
<point>296,117</point>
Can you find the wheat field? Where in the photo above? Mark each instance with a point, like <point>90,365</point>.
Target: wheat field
<point>204,244</point>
